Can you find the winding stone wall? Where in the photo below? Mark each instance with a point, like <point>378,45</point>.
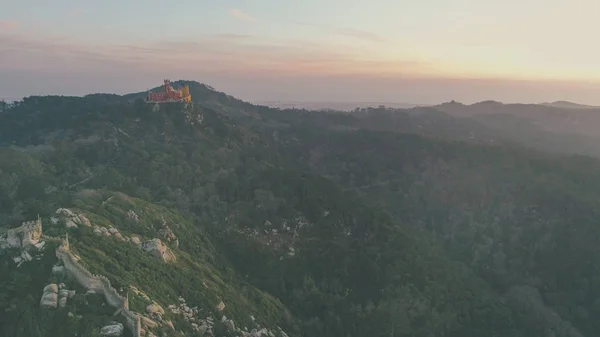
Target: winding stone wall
<point>26,227</point>
<point>52,238</point>
<point>99,284</point>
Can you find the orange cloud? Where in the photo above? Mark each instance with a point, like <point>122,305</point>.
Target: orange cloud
<point>7,25</point>
<point>241,15</point>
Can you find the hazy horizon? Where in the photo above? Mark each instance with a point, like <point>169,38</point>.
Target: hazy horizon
<point>325,102</point>
<point>382,51</point>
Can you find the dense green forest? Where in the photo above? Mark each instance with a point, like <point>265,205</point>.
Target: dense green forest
<point>373,223</point>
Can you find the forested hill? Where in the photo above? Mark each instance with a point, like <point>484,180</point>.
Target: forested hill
<point>301,223</point>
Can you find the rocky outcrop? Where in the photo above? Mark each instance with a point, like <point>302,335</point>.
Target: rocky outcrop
<point>158,249</point>
<point>84,220</point>
<point>51,288</point>
<point>71,219</point>
<point>155,308</point>
<point>131,214</point>
<point>229,324</point>
<point>155,311</point>
<point>113,330</point>
<point>50,296</point>
<point>63,295</point>
<point>191,315</point>
<point>147,322</point>
<point>167,234</point>
<point>24,257</point>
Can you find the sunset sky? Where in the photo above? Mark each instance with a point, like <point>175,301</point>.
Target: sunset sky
<point>425,51</point>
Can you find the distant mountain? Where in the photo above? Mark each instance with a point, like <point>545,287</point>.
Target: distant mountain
<point>209,97</point>
<point>578,121</point>
<point>569,105</point>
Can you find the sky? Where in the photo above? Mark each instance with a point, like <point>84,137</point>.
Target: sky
<point>425,52</point>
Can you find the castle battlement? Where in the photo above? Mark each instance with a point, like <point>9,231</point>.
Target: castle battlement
<point>51,238</point>
<point>99,284</point>
<point>26,226</point>
<point>29,233</point>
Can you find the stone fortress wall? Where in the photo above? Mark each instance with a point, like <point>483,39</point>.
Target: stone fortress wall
<point>28,233</point>
<point>52,238</point>
<point>26,226</point>
<point>99,284</point>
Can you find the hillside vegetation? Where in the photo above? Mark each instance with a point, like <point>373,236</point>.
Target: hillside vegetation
<point>375,223</point>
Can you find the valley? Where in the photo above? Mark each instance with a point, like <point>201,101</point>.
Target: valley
<point>224,218</point>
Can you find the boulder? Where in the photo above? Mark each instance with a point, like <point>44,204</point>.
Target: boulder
<point>203,328</point>
<point>70,224</point>
<point>229,324</point>
<point>65,211</point>
<point>155,308</point>
<point>84,220</point>
<point>76,219</point>
<point>26,256</point>
<point>158,249</point>
<point>132,215</point>
<point>147,322</point>
<point>49,300</point>
<point>51,288</point>
<point>113,330</point>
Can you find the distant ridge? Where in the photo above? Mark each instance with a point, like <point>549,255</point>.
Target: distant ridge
<point>335,105</point>
<point>569,105</point>
<point>206,92</point>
